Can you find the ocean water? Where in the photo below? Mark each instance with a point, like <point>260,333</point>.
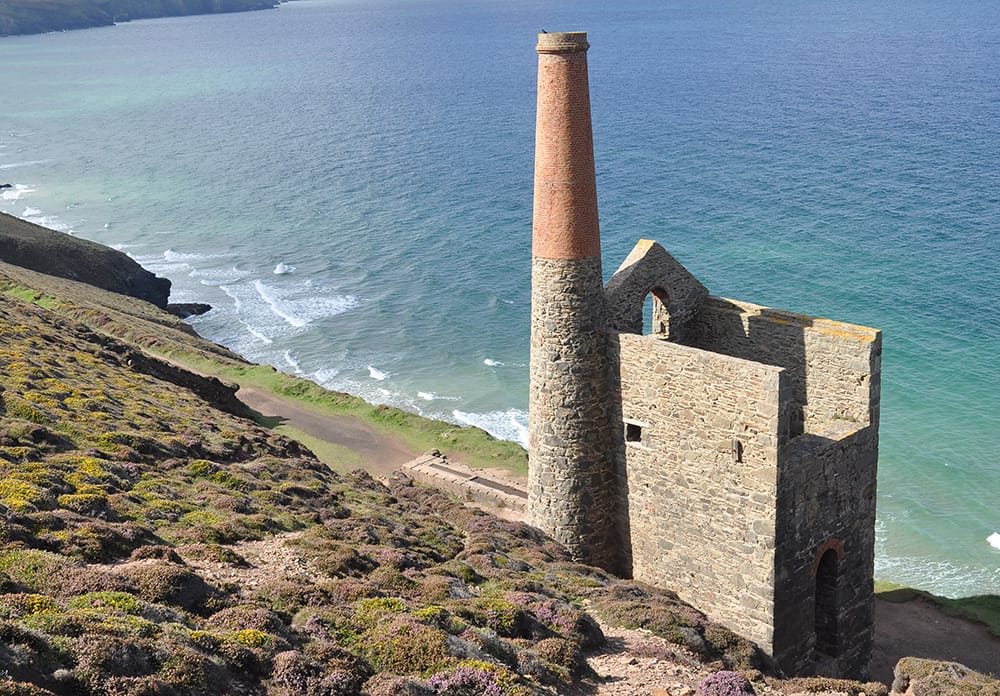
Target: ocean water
<point>348,183</point>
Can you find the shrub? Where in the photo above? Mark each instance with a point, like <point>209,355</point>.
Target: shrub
<point>246,617</point>
<point>296,674</point>
<point>725,684</point>
<point>466,681</point>
<point>371,610</point>
<point>401,645</point>
<point>844,686</point>
<point>168,583</point>
<point>122,601</point>
<point>99,657</point>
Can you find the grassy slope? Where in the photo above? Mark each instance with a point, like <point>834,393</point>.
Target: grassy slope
<point>127,502</point>
<point>162,334</point>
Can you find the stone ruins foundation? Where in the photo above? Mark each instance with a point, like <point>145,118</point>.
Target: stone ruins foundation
<point>728,452</point>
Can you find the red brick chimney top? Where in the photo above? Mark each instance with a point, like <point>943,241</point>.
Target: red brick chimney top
<point>565,217</point>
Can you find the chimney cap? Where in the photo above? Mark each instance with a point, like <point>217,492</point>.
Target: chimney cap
<point>562,42</point>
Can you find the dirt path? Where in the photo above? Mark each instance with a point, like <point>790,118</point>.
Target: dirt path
<point>917,628</point>
<point>380,453</point>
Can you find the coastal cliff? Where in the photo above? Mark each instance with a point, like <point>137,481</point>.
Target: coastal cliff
<point>157,537</point>
<point>40,249</point>
<point>40,16</point>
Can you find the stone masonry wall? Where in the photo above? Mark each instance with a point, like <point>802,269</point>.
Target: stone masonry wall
<point>699,450</point>
<point>826,500</point>
<point>572,489</point>
<point>829,363</point>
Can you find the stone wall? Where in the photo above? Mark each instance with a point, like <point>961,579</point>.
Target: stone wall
<point>699,449</point>
<point>649,269</point>
<point>826,502</point>
<point>829,363</point>
<point>572,488</point>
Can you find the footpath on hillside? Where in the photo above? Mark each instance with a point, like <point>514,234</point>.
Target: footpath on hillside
<point>915,628</point>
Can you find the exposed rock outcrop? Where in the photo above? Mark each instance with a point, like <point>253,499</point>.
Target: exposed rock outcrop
<point>40,249</point>
<point>915,676</point>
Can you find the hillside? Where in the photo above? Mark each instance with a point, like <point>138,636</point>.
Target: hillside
<point>34,247</point>
<point>39,16</point>
<point>157,540</point>
<point>132,506</point>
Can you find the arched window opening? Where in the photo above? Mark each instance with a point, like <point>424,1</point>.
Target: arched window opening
<point>826,604</point>
<point>654,312</point>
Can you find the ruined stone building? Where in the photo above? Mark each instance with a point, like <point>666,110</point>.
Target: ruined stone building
<point>727,452</point>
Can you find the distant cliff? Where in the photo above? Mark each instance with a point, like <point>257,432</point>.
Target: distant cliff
<point>54,253</point>
<point>39,16</point>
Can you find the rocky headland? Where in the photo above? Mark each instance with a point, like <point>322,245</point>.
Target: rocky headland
<point>159,536</point>
<point>40,16</point>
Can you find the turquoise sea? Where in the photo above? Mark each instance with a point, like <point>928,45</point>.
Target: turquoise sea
<point>348,183</point>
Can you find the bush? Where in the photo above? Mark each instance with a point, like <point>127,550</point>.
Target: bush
<point>725,684</point>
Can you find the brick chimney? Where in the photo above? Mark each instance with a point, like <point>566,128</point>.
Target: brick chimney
<point>572,491</point>
<point>565,219</point>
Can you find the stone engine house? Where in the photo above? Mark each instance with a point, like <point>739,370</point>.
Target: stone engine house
<point>728,452</point>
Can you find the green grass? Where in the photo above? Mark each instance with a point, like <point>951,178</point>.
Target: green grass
<point>31,295</point>
<point>340,459</point>
<point>983,609</point>
<point>472,446</point>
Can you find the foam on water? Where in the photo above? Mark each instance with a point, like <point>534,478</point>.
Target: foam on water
<point>240,307</point>
<point>31,212</point>
<point>283,269</point>
<point>324,376</point>
<point>178,256</point>
<point>492,363</point>
<point>376,373</point>
<point>431,396</point>
<point>291,361</point>
<point>15,193</point>
<point>221,275</point>
<point>168,263</point>
<point>50,221</point>
<point>29,163</point>
<point>301,305</point>
<point>511,424</point>
<point>948,578</point>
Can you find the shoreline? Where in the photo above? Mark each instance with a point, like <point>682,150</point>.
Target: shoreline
<point>70,15</point>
